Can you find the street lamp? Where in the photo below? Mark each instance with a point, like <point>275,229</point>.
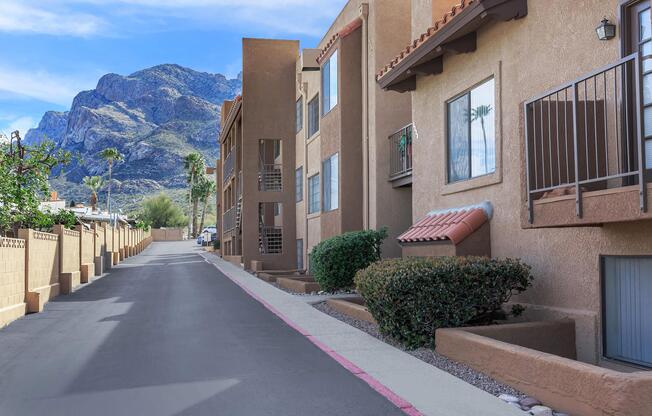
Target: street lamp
<point>606,30</point>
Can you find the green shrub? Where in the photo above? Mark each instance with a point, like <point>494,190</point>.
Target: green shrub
<point>411,298</point>
<point>216,244</point>
<point>335,261</point>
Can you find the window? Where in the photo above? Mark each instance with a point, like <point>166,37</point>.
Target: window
<point>298,187</point>
<point>471,133</point>
<point>627,313</point>
<point>313,194</point>
<point>329,83</point>
<point>299,115</point>
<point>331,182</point>
<point>313,116</point>
<point>299,254</point>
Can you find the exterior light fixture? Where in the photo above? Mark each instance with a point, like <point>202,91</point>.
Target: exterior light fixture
<point>606,30</point>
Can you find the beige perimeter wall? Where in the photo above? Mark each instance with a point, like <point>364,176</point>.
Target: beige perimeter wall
<point>167,234</point>
<point>42,257</point>
<point>12,279</point>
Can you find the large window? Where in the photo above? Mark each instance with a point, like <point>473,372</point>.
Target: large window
<point>298,180</point>
<point>472,134</point>
<point>313,194</point>
<point>313,116</point>
<point>299,115</point>
<point>331,182</point>
<point>329,83</point>
<point>627,303</point>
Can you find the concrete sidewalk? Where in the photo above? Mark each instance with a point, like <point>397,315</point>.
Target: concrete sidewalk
<point>430,391</point>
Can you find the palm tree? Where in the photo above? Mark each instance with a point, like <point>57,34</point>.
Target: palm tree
<point>194,165</point>
<point>111,155</point>
<point>480,112</point>
<point>94,183</point>
<point>206,189</point>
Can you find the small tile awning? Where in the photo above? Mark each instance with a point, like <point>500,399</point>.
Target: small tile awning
<point>454,225</point>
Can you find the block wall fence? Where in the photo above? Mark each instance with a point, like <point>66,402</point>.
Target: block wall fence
<point>39,266</point>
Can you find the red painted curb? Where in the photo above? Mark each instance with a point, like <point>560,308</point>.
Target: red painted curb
<point>383,390</point>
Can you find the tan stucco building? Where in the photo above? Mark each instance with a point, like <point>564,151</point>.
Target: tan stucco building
<point>492,84</point>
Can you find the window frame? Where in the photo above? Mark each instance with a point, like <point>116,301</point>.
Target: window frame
<point>298,114</point>
<point>314,206</point>
<point>300,262</point>
<point>467,92</point>
<point>328,64</point>
<point>298,186</point>
<point>327,191</point>
<point>309,133</point>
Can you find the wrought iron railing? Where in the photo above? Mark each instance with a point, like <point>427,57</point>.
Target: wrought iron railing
<point>400,152</point>
<point>586,135</point>
<point>270,178</point>
<point>271,239</point>
<point>239,187</point>
<point>228,219</point>
<point>228,167</point>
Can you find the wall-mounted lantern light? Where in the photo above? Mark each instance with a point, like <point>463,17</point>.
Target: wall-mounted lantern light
<point>606,30</point>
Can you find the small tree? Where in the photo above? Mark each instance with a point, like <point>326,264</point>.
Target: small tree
<point>24,173</point>
<point>205,189</point>
<point>160,211</point>
<point>93,183</point>
<point>195,167</point>
<point>111,155</point>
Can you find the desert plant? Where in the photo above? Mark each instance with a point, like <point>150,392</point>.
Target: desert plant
<point>411,298</point>
<point>93,183</point>
<point>195,167</point>
<point>335,261</point>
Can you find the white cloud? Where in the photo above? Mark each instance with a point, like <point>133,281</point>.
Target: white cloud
<point>44,86</point>
<point>22,124</point>
<point>22,17</point>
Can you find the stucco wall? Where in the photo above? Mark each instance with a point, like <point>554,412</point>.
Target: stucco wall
<point>87,246</point>
<point>108,238</point>
<point>42,258</point>
<point>100,242</point>
<point>527,57</point>
<point>12,279</point>
<point>167,234</point>
<point>69,249</point>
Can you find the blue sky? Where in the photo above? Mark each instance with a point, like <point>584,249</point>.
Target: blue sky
<point>52,49</point>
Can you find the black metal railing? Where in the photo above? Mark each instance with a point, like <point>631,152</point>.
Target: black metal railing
<point>228,167</point>
<point>271,239</point>
<point>228,219</point>
<point>270,177</point>
<point>400,152</point>
<point>586,135</point>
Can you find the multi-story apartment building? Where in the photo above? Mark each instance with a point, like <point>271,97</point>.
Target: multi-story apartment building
<point>350,174</point>
<point>257,153</point>
<point>332,154</point>
<point>533,123</point>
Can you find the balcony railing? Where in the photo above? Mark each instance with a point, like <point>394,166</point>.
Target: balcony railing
<point>228,219</point>
<point>400,152</point>
<point>270,178</point>
<point>239,187</point>
<point>228,166</point>
<point>271,240</point>
<point>586,136</point>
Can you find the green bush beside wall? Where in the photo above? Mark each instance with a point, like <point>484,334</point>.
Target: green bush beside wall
<point>411,298</point>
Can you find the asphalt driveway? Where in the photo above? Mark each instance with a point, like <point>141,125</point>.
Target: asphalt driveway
<point>165,333</point>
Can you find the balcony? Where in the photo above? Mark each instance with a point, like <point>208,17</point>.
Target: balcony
<point>228,166</point>
<point>271,239</point>
<point>585,150</point>
<point>400,157</point>
<point>228,219</point>
<point>270,177</point>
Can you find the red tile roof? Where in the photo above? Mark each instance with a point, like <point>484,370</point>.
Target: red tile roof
<point>416,43</point>
<point>344,32</point>
<point>454,225</point>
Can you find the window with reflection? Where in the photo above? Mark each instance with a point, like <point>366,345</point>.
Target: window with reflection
<point>471,133</point>
<point>329,83</point>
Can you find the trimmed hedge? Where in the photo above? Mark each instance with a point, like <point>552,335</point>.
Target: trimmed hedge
<point>411,298</point>
<point>335,261</point>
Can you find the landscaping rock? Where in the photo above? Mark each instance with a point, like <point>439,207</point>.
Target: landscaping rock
<point>530,402</point>
<point>509,398</point>
<point>541,411</point>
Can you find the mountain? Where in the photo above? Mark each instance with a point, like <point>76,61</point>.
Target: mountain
<point>154,117</point>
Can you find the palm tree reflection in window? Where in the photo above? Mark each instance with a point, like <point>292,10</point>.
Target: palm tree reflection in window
<point>480,113</point>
